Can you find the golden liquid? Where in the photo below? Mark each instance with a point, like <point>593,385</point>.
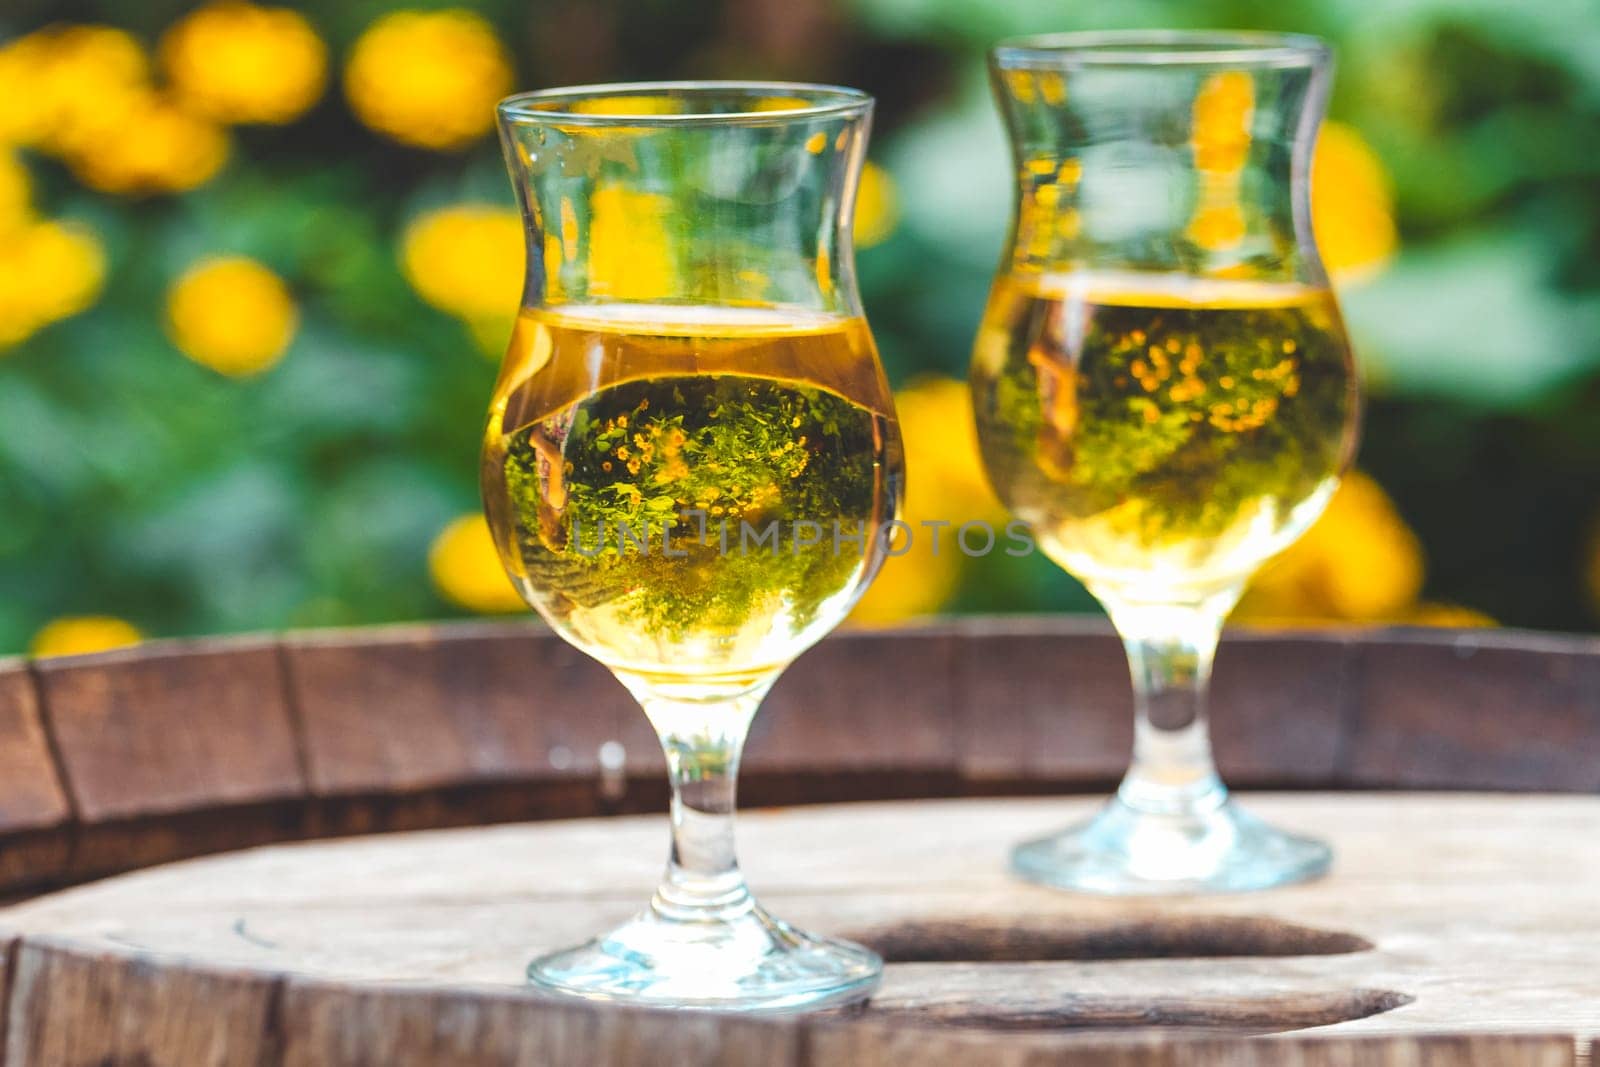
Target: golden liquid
<point>1163,436</point>
<point>698,430</point>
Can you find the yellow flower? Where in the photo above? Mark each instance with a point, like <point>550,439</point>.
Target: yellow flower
<point>74,635</point>
<point>58,81</point>
<point>642,104</point>
<point>630,254</point>
<point>1218,226</point>
<point>912,585</point>
<point>947,478</point>
<point>83,93</point>
<point>1352,205</point>
<point>467,260</point>
<point>877,206</point>
<point>1220,136</point>
<point>147,144</point>
<point>236,62</point>
<point>1222,113</point>
<point>945,481</point>
<point>1359,562</point>
<point>48,271</point>
<point>16,192</point>
<point>467,571</point>
<point>231,314</point>
<point>429,79</point>
<point>1453,616</point>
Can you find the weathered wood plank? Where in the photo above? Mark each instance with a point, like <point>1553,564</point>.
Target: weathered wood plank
<point>868,713</point>
<point>150,738</point>
<point>1475,710</point>
<point>31,797</point>
<point>331,1026</point>
<point>33,807</point>
<point>875,701</point>
<point>68,1009</point>
<point>1049,700</point>
<point>174,750</point>
<point>885,1045</point>
<point>1279,707</point>
<point>172,727</point>
<point>412,708</point>
<point>1044,700</point>
<point>411,948</point>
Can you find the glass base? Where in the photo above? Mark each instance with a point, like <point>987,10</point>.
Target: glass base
<point>1127,851</point>
<point>752,962</point>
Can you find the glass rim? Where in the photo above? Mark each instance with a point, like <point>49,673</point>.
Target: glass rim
<point>1146,48</point>
<point>821,101</point>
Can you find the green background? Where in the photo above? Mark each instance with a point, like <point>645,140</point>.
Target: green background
<point>135,483</point>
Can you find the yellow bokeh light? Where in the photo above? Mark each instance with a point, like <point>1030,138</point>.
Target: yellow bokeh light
<point>945,481</point>
<point>467,259</point>
<point>231,314</point>
<point>877,206</point>
<point>1451,616</point>
<point>1222,114</point>
<point>632,104</point>
<point>429,79</point>
<point>56,82</point>
<point>148,144</point>
<point>83,93</point>
<point>75,635</point>
<point>913,585</point>
<point>630,251</point>
<point>1219,226</point>
<point>237,62</point>
<point>16,192</point>
<point>466,568</point>
<point>1352,204</point>
<point>1223,111</point>
<point>1360,562</point>
<point>48,271</point>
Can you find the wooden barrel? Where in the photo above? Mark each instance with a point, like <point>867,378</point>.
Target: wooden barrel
<point>1454,929</point>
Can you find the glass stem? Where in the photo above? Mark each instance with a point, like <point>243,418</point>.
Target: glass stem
<point>703,739</point>
<point>1170,649</point>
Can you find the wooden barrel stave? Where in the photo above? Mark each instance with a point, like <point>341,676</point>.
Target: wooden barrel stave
<point>123,759</point>
<point>243,741</point>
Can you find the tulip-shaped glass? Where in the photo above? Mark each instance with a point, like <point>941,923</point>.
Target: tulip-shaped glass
<point>690,454</point>
<point>1164,392</point>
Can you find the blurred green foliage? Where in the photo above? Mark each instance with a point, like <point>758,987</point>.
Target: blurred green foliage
<point>137,483</point>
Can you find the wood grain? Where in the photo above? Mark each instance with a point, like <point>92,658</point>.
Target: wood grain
<point>326,1025</point>
<point>147,738</point>
<point>1041,700</point>
<point>1478,710</point>
<point>880,701</point>
<point>1034,939</point>
<point>124,759</point>
<point>171,728</point>
<point>1280,707</point>
<point>111,1008</point>
<point>33,807</point>
<point>413,708</point>
<point>1461,913</point>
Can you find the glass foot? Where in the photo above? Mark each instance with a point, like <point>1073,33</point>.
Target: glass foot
<point>1125,850</point>
<point>752,962</point>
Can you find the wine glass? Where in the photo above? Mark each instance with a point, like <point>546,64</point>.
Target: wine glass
<point>1165,393</point>
<point>689,456</point>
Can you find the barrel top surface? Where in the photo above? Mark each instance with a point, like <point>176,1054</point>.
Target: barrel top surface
<point>1453,912</point>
